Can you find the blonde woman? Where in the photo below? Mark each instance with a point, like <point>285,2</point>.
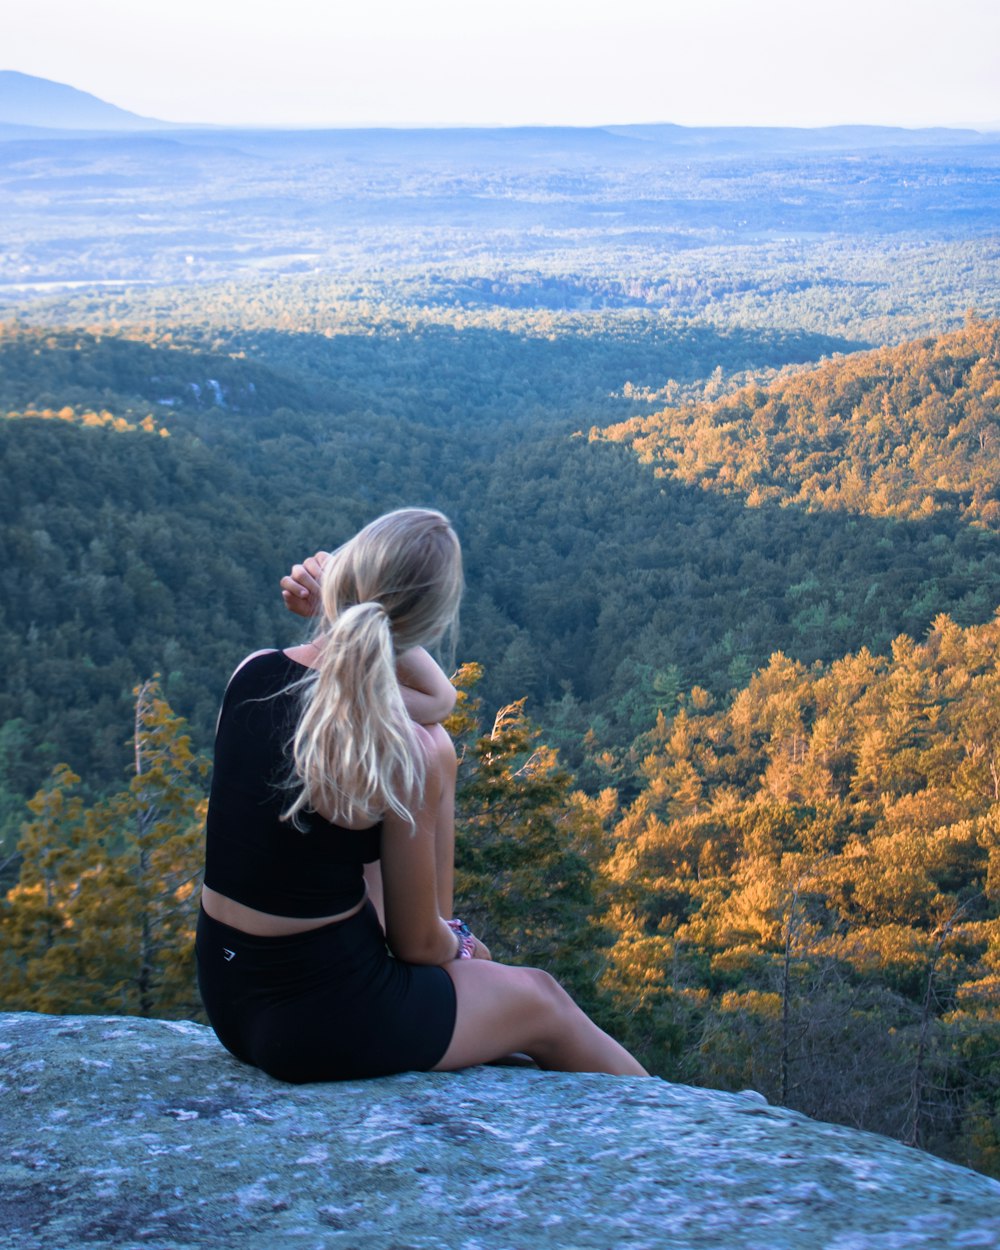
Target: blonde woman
<point>326,947</point>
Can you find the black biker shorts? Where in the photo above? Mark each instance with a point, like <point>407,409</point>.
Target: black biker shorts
<point>331,1004</point>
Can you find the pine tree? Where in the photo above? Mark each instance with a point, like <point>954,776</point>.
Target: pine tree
<point>33,917</point>
<point>526,848</point>
<point>103,916</point>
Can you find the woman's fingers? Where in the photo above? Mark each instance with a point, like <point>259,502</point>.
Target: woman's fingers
<point>300,592</point>
<point>300,589</point>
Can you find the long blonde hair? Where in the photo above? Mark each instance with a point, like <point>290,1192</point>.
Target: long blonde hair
<point>396,584</point>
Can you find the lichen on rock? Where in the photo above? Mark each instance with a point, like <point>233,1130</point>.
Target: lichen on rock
<point>124,1132</point>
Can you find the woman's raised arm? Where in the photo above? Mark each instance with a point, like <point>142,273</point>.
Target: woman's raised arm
<point>427,693</point>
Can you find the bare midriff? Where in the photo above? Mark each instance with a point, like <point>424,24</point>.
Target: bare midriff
<point>262,923</point>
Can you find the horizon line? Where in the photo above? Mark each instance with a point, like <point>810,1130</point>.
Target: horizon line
<point>157,124</point>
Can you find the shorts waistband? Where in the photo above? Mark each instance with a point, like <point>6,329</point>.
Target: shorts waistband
<point>361,919</point>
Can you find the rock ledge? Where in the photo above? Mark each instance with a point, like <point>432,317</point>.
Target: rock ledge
<point>137,1133</point>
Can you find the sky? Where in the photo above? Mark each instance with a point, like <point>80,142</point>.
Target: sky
<point>521,62</point>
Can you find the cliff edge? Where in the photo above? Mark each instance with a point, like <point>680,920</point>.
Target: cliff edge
<point>122,1132</point>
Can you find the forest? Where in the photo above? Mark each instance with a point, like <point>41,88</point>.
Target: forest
<point>727,486</point>
<point>599,588</point>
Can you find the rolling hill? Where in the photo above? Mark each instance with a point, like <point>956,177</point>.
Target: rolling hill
<point>29,101</point>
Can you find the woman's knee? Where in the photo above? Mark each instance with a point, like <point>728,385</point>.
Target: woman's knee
<point>550,1000</point>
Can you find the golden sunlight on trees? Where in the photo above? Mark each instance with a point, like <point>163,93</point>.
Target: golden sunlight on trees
<point>804,895</point>
<point>102,917</point>
<point>93,420</point>
<point>905,431</point>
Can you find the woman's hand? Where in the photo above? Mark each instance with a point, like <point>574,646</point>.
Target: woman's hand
<point>300,588</point>
<point>480,950</point>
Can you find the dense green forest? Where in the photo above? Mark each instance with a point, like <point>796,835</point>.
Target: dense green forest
<point>166,550</point>
<point>157,489</point>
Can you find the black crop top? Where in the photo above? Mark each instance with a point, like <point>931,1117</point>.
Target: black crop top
<point>251,855</point>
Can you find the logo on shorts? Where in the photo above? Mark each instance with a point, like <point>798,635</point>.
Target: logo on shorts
<point>228,954</point>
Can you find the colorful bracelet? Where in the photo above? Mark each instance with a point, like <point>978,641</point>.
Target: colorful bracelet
<point>466,942</point>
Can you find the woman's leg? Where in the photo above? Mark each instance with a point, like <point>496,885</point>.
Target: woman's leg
<point>502,1010</point>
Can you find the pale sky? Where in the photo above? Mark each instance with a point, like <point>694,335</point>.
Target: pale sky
<point>514,62</point>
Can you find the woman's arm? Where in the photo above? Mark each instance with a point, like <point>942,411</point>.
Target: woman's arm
<point>413,925</point>
<point>428,694</point>
<point>414,929</point>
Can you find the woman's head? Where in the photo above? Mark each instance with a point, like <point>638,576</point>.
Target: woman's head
<point>410,563</point>
<point>395,585</point>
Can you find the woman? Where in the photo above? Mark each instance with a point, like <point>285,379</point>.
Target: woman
<point>330,843</point>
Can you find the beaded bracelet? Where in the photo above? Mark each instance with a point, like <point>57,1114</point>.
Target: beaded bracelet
<point>466,942</point>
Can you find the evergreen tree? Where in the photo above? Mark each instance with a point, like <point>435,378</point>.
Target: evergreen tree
<point>526,845</point>
<point>102,917</point>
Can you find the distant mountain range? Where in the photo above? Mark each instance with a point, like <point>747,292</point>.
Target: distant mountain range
<point>29,105</point>
<point>32,103</point>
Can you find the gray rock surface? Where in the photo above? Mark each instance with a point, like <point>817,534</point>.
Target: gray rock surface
<point>143,1133</point>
